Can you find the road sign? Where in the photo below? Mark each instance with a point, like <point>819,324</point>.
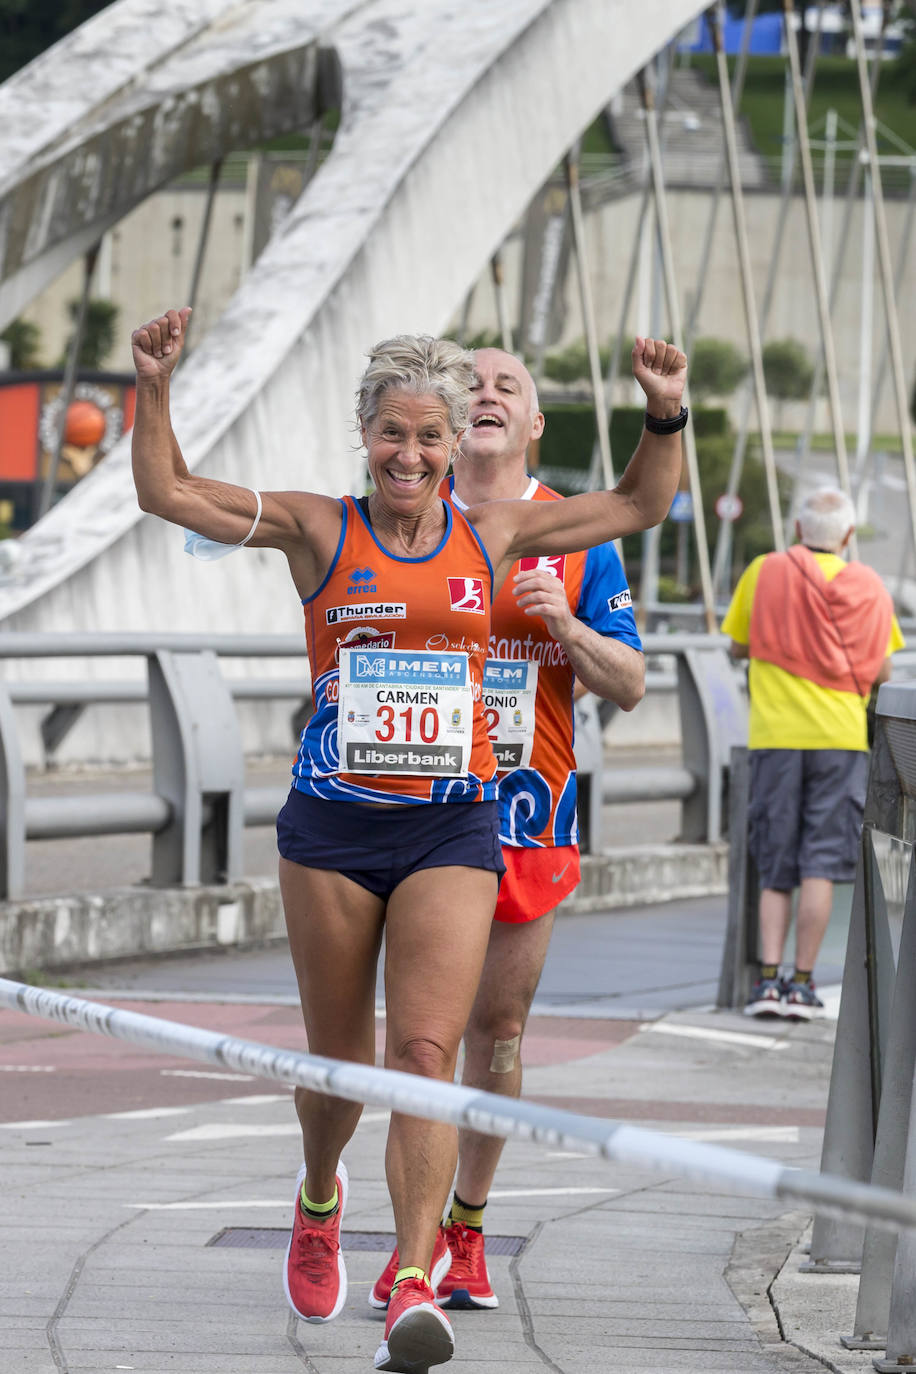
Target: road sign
<point>729,507</point>
<point>681,507</point>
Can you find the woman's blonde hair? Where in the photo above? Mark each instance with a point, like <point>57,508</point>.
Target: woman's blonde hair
<point>423,365</point>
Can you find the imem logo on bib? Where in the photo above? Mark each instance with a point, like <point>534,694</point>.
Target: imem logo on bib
<point>466,594</point>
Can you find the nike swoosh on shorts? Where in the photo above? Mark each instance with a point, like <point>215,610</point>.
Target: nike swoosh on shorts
<point>555,877</point>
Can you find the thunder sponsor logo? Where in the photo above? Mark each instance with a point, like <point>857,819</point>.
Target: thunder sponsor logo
<point>366,610</point>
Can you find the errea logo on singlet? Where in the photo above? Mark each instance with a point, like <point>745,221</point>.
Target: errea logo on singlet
<point>362,582</point>
<point>466,594</point>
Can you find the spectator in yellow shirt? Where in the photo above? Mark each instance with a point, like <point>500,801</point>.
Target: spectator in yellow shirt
<point>819,633</point>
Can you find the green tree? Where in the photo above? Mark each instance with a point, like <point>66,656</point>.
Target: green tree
<point>24,340</point>
<point>98,333</point>
<point>716,368</point>
<point>787,369</point>
<point>903,70</point>
<point>571,363</point>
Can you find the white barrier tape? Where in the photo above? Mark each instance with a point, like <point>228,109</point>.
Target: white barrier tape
<point>485,1112</point>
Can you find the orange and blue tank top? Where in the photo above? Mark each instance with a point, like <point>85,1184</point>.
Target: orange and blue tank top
<point>397,648</point>
<point>528,687</point>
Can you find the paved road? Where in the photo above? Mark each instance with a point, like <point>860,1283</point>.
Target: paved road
<point>146,1198</point>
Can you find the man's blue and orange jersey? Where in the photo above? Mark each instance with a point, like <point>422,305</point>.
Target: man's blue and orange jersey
<point>404,624</point>
<point>537,800</point>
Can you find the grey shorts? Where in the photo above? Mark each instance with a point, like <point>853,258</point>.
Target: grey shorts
<point>805,814</point>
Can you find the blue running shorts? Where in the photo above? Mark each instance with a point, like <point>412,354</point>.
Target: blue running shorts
<point>379,846</point>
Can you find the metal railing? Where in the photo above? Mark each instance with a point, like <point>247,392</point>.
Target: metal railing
<point>199,803</point>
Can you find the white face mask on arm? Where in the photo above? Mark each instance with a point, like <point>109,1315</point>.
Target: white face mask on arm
<point>208,550</point>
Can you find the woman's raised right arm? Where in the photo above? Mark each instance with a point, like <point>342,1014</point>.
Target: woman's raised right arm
<point>165,486</point>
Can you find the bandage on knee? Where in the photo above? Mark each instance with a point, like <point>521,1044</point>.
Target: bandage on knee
<point>505,1055</point>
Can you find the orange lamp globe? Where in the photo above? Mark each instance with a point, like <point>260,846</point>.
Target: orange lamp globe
<point>85,424</point>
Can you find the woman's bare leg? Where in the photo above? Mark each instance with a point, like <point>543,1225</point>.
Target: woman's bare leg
<point>436,939</point>
<point>335,931</point>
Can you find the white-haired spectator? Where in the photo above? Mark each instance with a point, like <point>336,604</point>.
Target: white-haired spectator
<point>819,632</point>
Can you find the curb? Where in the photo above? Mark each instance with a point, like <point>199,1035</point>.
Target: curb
<point>136,922</point>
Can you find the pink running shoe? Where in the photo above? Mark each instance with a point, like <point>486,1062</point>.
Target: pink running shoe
<point>314,1273</point>
<point>417,1334</point>
<point>467,1283</point>
<point>442,1258</point>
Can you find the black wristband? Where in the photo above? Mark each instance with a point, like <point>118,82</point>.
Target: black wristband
<point>672,426</point>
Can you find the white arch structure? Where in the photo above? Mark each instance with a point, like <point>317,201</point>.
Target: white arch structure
<point>453,116</point>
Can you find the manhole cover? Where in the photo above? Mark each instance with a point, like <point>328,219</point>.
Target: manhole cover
<point>276,1238</point>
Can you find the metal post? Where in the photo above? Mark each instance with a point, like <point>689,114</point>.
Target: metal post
<point>803,447</point>
<point>739,952</point>
<point>640,238</point>
<point>863,424</point>
<point>12,803</point>
<point>747,287</point>
<point>65,396</point>
<point>817,261</point>
<point>464,326</point>
<point>713,720</point>
<point>502,314</point>
<point>830,130</point>
<point>901,1328</point>
<point>902,255</point>
<point>203,237</point>
<point>674,314</point>
<point>750,14</point>
<point>723,537</point>
<point>848,1147</point>
<point>884,261</point>
<point>571,162</point>
<point>874,1297</point>
<point>198,768</point>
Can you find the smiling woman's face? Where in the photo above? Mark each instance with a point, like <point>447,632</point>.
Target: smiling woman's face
<point>410,445</point>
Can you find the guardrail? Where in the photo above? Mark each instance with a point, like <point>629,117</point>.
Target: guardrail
<point>199,804</point>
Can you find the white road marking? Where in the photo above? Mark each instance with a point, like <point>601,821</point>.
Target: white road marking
<point>231,1130</point>
<point>230,1204</point>
<point>256,1099</point>
<point>759,1042</point>
<point>549,1192</point>
<point>237,1130</point>
<point>146,1113</point>
<point>786,1135</point>
<point>28,1068</point>
<point>31,1125</point>
<point>220,1205</point>
<point>202,1073</point>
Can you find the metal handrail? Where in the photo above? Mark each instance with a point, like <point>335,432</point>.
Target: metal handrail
<point>199,804</point>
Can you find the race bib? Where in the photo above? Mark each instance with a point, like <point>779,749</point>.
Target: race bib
<point>405,712</point>
<point>509,689</point>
